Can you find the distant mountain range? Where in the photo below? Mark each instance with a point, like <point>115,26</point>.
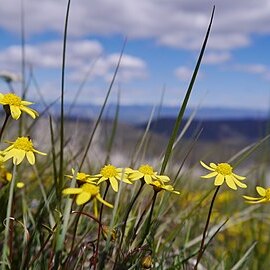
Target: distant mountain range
<point>135,114</point>
<point>226,130</point>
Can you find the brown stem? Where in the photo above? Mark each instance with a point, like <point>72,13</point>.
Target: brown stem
<point>4,126</point>
<point>202,249</point>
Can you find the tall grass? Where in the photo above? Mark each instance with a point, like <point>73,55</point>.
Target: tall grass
<point>44,226</point>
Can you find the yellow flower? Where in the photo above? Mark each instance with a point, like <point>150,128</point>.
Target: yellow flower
<point>263,192</point>
<point>147,262</point>
<point>83,177</point>
<point>112,174</point>
<point>224,171</point>
<point>86,193</point>
<point>22,147</point>
<point>14,105</point>
<point>159,187</point>
<point>147,173</point>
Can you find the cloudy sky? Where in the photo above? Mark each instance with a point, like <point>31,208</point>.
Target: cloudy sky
<point>163,43</point>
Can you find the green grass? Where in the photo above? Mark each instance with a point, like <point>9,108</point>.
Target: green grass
<point>43,229</point>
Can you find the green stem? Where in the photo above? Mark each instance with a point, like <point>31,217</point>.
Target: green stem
<point>202,249</point>
<point>5,250</point>
<point>125,220</point>
<point>100,226</point>
<point>148,225</point>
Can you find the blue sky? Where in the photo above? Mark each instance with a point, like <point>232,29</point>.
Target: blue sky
<point>164,39</point>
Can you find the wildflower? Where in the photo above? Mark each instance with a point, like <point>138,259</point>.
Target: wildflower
<point>108,232</point>
<point>83,177</point>
<point>147,173</point>
<point>22,147</point>
<point>86,193</point>
<point>14,105</point>
<point>157,186</point>
<point>224,171</point>
<point>113,175</point>
<point>147,262</point>
<point>263,192</point>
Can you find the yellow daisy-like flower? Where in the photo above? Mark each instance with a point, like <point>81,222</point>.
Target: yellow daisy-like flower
<point>263,192</point>
<point>14,105</point>
<point>113,175</point>
<point>85,193</point>
<point>224,171</point>
<point>83,177</point>
<point>147,173</point>
<point>22,147</point>
<point>157,186</point>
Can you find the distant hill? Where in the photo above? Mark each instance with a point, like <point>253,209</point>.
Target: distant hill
<point>134,114</point>
<point>215,130</point>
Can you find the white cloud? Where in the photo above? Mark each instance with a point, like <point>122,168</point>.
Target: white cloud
<point>82,56</point>
<point>216,57</point>
<point>257,69</point>
<point>175,23</point>
<point>183,73</point>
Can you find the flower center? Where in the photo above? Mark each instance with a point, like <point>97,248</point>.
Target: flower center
<point>267,194</point>
<point>92,189</point>
<point>23,143</point>
<point>12,99</point>
<point>108,171</point>
<point>146,169</point>
<point>224,168</point>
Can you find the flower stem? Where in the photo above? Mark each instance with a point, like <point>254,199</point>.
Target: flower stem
<point>4,126</point>
<point>100,226</point>
<point>125,220</point>
<point>148,225</point>
<point>202,249</point>
<point>5,250</point>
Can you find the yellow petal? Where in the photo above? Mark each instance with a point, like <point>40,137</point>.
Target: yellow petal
<point>18,156</point>
<point>136,175</point>
<point>69,191</point>
<point>219,180</point>
<point>261,191</point>
<point>38,152</point>
<point>240,184</point>
<point>83,197</point>
<point>251,198</point>
<point>30,157</point>
<point>104,202</point>
<point>114,183</point>
<point>9,154</point>
<point>26,103</point>
<point>15,112</point>
<point>29,111</point>
<point>213,165</point>
<point>20,185</point>
<point>210,175</point>
<point>148,179</point>
<point>164,178</point>
<point>239,177</point>
<point>230,182</point>
<point>206,166</point>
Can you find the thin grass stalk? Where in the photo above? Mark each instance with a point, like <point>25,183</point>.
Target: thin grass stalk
<point>58,195</point>
<point>67,211</point>
<point>143,139</point>
<point>149,220</point>
<point>61,161</point>
<point>134,199</point>
<point>5,250</point>
<point>4,126</point>
<point>202,248</point>
<point>112,137</point>
<point>185,102</point>
<point>103,106</point>
<point>100,226</point>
